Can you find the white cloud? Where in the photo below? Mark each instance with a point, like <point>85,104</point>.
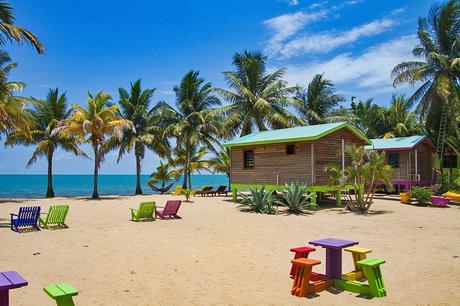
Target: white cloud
<point>284,26</point>
<point>291,2</point>
<point>369,72</point>
<point>328,41</point>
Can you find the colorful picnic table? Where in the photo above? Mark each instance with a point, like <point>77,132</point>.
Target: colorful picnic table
<point>9,280</point>
<point>333,248</point>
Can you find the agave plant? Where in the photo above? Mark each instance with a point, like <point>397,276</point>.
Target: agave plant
<point>260,201</point>
<point>295,199</point>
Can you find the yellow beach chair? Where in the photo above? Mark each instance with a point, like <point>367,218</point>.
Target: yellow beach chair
<point>177,191</point>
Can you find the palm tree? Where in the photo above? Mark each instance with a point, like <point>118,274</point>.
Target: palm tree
<point>13,115</point>
<point>48,116</point>
<point>148,131</point>
<point>221,163</point>
<point>193,159</point>
<point>192,121</point>
<point>439,68</point>
<point>316,101</point>
<point>258,99</point>
<point>13,33</point>
<point>163,175</point>
<point>369,118</point>
<point>401,120</point>
<point>94,122</point>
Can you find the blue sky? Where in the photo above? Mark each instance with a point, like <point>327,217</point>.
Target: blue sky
<point>102,45</point>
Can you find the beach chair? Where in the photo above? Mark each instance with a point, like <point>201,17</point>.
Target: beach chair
<point>177,191</point>
<point>203,190</point>
<point>221,191</point>
<point>27,217</point>
<point>146,211</point>
<point>169,210</point>
<point>56,216</point>
<point>61,293</point>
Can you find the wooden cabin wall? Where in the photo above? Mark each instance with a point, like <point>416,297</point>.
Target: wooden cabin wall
<point>271,160</point>
<point>424,161</point>
<point>328,150</point>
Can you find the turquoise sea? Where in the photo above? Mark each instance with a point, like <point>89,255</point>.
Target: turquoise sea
<point>34,186</point>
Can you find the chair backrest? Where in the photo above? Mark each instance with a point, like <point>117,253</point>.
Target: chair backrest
<point>207,188</point>
<point>221,188</point>
<point>171,207</point>
<point>146,209</point>
<point>57,214</point>
<point>28,216</point>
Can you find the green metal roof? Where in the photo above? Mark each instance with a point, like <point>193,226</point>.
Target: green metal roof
<point>300,133</point>
<point>398,143</point>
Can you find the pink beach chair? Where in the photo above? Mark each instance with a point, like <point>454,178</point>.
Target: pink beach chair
<point>169,210</point>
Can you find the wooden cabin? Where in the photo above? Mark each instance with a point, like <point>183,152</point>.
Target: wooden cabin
<point>297,155</point>
<point>411,157</point>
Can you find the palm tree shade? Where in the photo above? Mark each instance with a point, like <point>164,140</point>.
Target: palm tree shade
<point>257,99</point>
<point>95,122</point>
<point>193,121</point>
<point>316,101</point>
<point>9,32</point>
<point>148,132</point>
<point>48,118</point>
<point>438,70</point>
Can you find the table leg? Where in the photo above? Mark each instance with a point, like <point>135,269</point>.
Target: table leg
<point>4,298</point>
<point>333,263</point>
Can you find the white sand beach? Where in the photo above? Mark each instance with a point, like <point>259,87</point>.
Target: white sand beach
<point>217,254</point>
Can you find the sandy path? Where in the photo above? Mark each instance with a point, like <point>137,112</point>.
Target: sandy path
<point>219,255</point>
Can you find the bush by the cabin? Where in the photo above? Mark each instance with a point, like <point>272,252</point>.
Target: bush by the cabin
<point>259,201</point>
<point>295,198</point>
<point>421,194</point>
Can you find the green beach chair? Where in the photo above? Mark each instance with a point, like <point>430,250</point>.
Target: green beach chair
<point>61,293</point>
<point>146,211</point>
<point>55,216</point>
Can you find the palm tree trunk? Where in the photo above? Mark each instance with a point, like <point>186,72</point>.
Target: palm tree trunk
<point>138,174</point>
<point>96,172</point>
<point>229,182</point>
<point>189,180</point>
<point>49,190</point>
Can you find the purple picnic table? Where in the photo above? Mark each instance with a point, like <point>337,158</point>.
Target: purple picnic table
<point>333,248</point>
<point>9,280</point>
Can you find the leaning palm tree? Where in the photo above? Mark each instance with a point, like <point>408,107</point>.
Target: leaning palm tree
<point>163,175</point>
<point>192,121</point>
<point>13,33</point>
<point>221,163</point>
<point>316,101</point>
<point>93,123</point>
<point>48,117</point>
<point>258,99</point>
<point>439,68</point>
<point>13,115</point>
<point>148,132</point>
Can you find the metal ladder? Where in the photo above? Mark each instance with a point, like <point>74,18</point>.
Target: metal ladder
<point>440,144</point>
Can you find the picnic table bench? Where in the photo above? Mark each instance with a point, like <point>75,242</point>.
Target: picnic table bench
<point>9,280</point>
<point>61,293</point>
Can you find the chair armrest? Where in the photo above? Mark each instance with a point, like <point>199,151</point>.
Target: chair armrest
<point>159,207</point>
<point>13,214</point>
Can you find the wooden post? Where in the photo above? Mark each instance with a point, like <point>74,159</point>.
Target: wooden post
<point>234,194</point>
<point>312,163</point>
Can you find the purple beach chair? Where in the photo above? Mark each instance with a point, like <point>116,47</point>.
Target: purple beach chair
<point>169,210</point>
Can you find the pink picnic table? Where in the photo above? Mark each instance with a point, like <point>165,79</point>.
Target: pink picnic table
<point>333,248</point>
<point>9,280</point>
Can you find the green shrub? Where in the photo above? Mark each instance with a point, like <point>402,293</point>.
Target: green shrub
<point>259,201</point>
<point>294,198</point>
<point>422,194</point>
<point>187,193</point>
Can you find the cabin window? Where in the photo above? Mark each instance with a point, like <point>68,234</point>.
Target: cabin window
<point>393,160</point>
<point>449,161</point>
<point>248,159</point>
<point>290,149</point>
